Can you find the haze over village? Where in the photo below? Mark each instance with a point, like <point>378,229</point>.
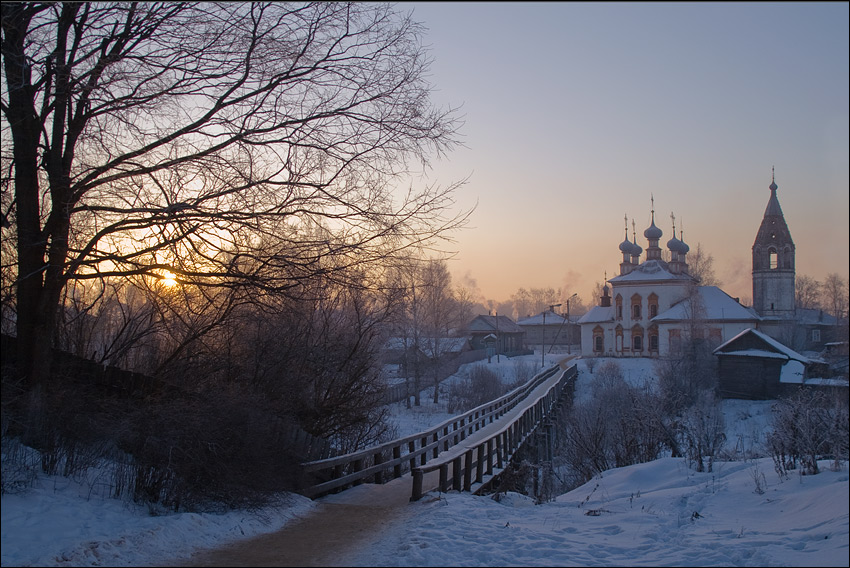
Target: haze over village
<point>425,283</point>
<point>591,109</point>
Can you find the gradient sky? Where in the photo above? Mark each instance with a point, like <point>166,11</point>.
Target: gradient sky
<point>577,113</point>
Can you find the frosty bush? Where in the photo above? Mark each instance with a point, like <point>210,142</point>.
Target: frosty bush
<point>619,426</point>
<point>808,426</point>
<point>702,429</point>
<point>482,385</point>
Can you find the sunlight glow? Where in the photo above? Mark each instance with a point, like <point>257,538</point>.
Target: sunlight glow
<point>169,279</point>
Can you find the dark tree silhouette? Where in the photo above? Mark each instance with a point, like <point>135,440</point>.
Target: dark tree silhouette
<point>229,144</point>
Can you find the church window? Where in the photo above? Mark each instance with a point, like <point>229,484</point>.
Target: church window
<point>774,259</point>
<point>675,339</point>
<point>598,344</point>
<point>715,336</point>
<point>652,301</point>
<point>637,343</point>
<point>619,302</point>
<point>637,338</point>
<point>653,338</point>
<point>636,311</point>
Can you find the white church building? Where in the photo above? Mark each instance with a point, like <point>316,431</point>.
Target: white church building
<point>653,305</point>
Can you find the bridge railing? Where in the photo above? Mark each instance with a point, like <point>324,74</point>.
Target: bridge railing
<point>391,460</point>
<point>471,462</point>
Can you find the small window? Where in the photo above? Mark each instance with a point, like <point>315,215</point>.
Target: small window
<point>653,311</point>
<point>597,346</point>
<point>774,260</point>
<point>636,311</point>
<point>637,343</point>
<point>653,343</point>
<point>815,335</point>
<point>619,312</point>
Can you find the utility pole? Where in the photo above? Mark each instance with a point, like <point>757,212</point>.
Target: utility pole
<point>543,339</point>
<point>569,331</point>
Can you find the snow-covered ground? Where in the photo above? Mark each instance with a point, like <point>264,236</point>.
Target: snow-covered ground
<point>659,513</point>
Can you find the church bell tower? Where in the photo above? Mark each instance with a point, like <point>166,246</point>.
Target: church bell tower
<point>773,263</point>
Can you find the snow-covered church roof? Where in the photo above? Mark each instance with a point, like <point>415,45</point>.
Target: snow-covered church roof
<point>598,314</point>
<point>713,304</point>
<point>649,271</point>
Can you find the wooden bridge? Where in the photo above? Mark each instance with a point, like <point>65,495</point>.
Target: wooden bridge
<point>464,453</point>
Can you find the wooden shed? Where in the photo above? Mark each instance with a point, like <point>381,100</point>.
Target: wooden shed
<point>753,365</point>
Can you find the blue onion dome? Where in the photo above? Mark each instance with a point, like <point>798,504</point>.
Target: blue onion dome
<point>627,247</point>
<point>653,232</point>
<point>675,244</point>
<point>636,249</point>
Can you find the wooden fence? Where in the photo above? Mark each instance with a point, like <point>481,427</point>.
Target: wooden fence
<point>411,454</point>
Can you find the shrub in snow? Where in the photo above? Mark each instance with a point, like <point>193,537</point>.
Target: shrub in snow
<point>811,424</point>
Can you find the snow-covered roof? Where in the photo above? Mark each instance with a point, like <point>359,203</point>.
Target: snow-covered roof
<point>715,305</point>
<point>598,314</point>
<point>785,352</point>
<point>551,319</point>
<point>649,271</point>
<point>792,372</point>
<point>760,353</point>
<point>502,324</point>
<point>812,317</point>
<point>452,344</point>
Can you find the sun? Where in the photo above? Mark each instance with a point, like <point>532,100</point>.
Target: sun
<point>169,279</point>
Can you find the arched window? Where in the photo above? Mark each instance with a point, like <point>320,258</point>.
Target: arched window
<point>637,338</point>
<point>774,259</point>
<point>598,339</point>
<point>619,302</point>
<point>636,309</point>
<point>652,300</point>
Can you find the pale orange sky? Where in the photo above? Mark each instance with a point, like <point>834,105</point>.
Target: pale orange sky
<point>576,114</point>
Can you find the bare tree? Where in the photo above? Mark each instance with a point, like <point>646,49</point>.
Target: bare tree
<point>834,295</point>
<point>701,266</point>
<point>439,315</point>
<point>807,292</point>
<point>222,142</point>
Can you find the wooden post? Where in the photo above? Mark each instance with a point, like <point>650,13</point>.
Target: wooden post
<point>417,484</point>
<point>411,448</point>
<point>356,466</point>
<point>456,479</point>
<point>379,475</point>
<point>479,470</point>
<point>490,456</point>
<point>397,458</point>
<point>444,477</point>
<point>467,471</point>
